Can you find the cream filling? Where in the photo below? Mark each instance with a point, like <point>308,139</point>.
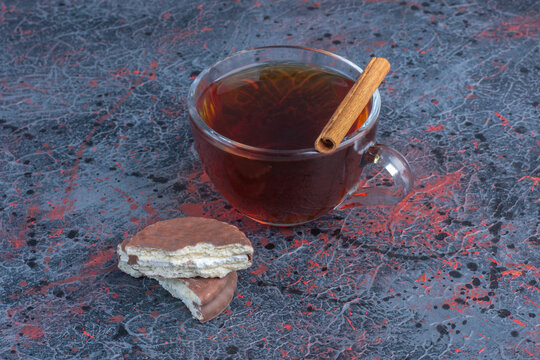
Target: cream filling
<point>204,260</point>
<point>201,249</point>
<point>175,272</point>
<point>195,262</point>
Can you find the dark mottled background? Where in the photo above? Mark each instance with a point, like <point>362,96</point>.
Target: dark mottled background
<point>95,144</point>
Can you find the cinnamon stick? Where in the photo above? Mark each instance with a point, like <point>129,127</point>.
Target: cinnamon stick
<point>352,105</point>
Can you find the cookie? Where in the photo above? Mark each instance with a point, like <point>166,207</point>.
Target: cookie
<point>184,248</point>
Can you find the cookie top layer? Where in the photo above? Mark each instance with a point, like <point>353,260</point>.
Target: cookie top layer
<point>175,234</point>
<point>215,294</point>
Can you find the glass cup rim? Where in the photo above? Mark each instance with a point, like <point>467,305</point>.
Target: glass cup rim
<point>249,151</point>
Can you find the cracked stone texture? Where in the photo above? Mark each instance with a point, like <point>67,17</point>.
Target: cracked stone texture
<point>95,145</point>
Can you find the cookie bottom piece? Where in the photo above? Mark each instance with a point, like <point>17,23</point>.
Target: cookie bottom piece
<point>206,298</point>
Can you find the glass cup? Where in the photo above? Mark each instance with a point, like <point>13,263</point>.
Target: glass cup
<point>291,187</point>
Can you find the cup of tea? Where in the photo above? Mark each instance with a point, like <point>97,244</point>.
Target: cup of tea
<point>255,117</point>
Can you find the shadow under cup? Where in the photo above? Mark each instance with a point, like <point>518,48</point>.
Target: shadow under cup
<point>281,187</point>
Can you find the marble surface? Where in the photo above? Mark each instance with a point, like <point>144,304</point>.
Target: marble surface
<point>95,145</point>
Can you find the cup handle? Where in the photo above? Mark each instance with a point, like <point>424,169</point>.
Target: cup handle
<point>385,194</point>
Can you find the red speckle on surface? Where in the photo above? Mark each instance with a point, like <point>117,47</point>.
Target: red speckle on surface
<point>363,194</point>
<point>97,260</point>
<point>32,331</point>
<point>296,282</point>
<point>87,334</point>
<point>149,209</point>
<point>522,26</point>
<point>527,351</point>
<point>93,83</point>
<point>285,231</point>
<point>287,326</point>
<point>504,121</point>
<point>525,267</point>
<point>166,15</point>
<point>119,166</point>
<point>25,84</point>
<point>515,28</point>
<point>514,273</point>
<point>350,323</point>
<point>535,180</point>
<point>55,234</point>
<point>487,35</point>
<point>519,322</point>
<point>530,301</point>
<point>193,181</point>
<point>30,101</point>
<point>116,319</point>
<point>260,270</point>
<point>58,211</point>
<point>435,128</point>
<point>493,260</point>
<point>154,314</point>
<point>177,35</point>
<point>192,209</point>
<point>264,241</point>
